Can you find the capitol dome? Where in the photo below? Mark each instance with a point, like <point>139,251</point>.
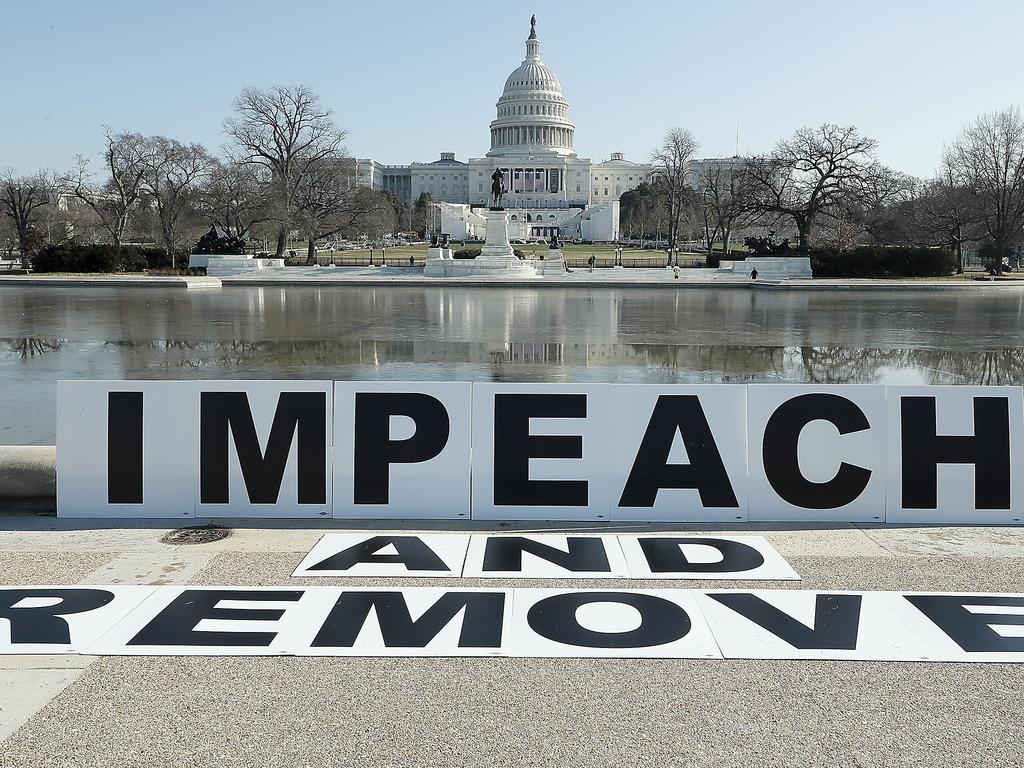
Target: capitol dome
<point>532,113</point>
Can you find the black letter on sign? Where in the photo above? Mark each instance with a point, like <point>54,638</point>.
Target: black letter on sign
<point>176,624</point>
<point>44,624</point>
<point>665,555</point>
<point>662,621</point>
<point>375,451</point>
<point>505,553</point>
<point>124,448</point>
<point>651,470</point>
<point>973,631</point>
<point>779,450</point>
<point>302,412</point>
<point>412,553</point>
<point>988,449</point>
<point>836,620</point>
<point>481,622</point>
<point>514,446</point>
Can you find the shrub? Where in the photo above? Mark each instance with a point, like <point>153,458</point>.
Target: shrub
<point>94,258</point>
<point>157,258</point>
<point>882,261</point>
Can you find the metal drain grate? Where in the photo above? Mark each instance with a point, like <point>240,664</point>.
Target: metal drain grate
<point>202,534</point>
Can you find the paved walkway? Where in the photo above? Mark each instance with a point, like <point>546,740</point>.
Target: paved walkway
<point>78,711</point>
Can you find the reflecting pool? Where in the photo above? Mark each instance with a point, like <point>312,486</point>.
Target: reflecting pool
<point>496,334</point>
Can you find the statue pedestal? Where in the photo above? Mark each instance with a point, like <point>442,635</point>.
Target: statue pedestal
<point>496,246</point>
<point>552,263</point>
<point>437,258</point>
<point>771,267</point>
<point>231,264</point>
<point>496,256</point>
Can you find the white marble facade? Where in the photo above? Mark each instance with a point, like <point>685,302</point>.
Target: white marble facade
<point>532,140</point>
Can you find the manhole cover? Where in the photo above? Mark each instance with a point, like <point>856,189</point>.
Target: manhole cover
<point>202,534</point>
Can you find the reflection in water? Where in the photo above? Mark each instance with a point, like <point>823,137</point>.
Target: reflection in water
<point>827,364</point>
<point>493,334</point>
<point>33,347</point>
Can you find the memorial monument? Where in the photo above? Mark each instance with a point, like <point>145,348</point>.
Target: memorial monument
<point>497,257</point>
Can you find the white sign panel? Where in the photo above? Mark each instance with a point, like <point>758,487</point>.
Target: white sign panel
<point>422,555</point>
<point>126,449</point>
<point>540,451</point>
<point>60,620</point>
<point>678,452</point>
<point>659,623</point>
<point>816,452</point>
<point>217,621</point>
<point>546,556</point>
<point>793,624</point>
<point>402,450</point>
<point>264,449</point>
<point>413,622</point>
<point>711,453</point>
<point>680,556</point>
<point>598,623</point>
<point>955,455</point>
<point>974,627</point>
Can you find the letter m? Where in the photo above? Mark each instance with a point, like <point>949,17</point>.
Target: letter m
<point>301,414</point>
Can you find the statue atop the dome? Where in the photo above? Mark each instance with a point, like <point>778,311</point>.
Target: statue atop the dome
<point>533,27</point>
<point>497,189</point>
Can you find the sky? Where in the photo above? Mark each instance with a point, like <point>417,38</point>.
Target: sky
<point>411,79</point>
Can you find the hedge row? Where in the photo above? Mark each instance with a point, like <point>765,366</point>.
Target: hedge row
<point>882,261</point>
<point>100,258</point>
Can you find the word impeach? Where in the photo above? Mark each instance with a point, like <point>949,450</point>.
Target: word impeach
<point>544,451</point>
<point>545,556</point>
<point>668,623</point>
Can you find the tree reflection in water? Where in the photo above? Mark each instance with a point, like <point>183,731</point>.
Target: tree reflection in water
<point>34,347</point>
<point>703,362</point>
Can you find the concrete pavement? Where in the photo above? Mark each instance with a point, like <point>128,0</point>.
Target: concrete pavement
<point>76,711</point>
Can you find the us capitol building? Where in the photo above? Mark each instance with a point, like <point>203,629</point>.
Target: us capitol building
<point>550,189</point>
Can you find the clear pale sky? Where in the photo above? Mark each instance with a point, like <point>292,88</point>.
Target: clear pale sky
<point>409,80</point>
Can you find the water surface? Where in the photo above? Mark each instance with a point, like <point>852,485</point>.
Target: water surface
<point>495,334</point>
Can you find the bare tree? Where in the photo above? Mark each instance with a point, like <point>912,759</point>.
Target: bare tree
<point>812,173</point>
<point>287,131</point>
<point>328,202</point>
<point>21,199</point>
<point>943,214</point>
<point>725,195</point>
<point>881,206</point>
<point>988,161</point>
<point>236,197</point>
<point>671,167</point>
<point>116,199</point>
<point>172,174</point>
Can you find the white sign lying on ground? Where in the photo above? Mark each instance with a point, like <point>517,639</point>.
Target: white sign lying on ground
<point>541,451</point>
<point>660,623</point>
<point>544,556</point>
